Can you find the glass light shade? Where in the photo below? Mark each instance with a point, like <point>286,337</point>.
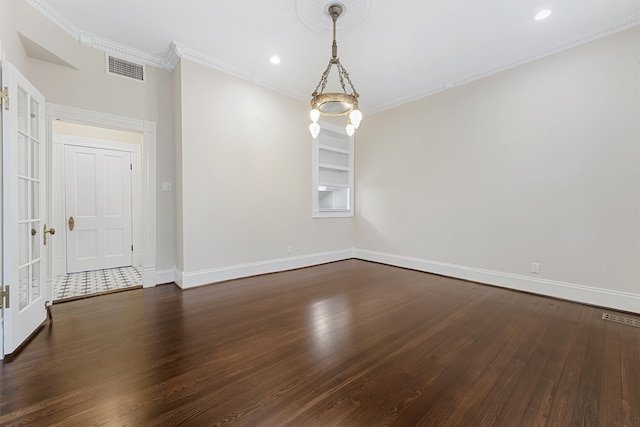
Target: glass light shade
<point>314,128</point>
<point>336,108</point>
<point>350,129</point>
<point>314,114</point>
<point>356,117</point>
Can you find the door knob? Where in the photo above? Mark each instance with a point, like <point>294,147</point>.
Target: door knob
<point>72,223</point>
<point>51,231</point>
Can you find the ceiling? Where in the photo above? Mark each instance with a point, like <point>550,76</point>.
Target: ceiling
<point>395,51</point>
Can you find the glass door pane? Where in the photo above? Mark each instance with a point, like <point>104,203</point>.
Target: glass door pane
<point>23,289</point>
<point>23,105</point>
<point>35,281</point>
<point>34,119</point>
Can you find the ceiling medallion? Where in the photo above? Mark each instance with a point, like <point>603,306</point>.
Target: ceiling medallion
<point>335,104</point>
<point>314,13</point>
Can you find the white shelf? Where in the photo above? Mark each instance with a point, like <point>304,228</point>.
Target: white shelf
<point>333,167</point>
<point>334,149</point>
<point>321,184</point>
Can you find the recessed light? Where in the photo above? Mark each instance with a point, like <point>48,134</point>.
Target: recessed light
<point>275,59</point>
<point>543,14</point>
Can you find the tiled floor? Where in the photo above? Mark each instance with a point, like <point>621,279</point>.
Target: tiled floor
<point>91,282</point>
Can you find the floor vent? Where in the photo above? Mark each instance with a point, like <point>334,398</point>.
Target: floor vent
<point>124,68</point>
<point>620,319</point>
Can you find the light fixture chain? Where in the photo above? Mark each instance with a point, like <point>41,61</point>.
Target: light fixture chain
<point>335,104</point>
<point>346,75</point>
<point>340,74</point>
<point>324,78</point>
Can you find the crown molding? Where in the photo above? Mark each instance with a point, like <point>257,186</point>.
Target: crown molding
<point>192,55</point>
<point>54,16</point>
<point>174,54</point>
<point>625,24</point>
<point>177,51</point>
<point>127,52</point>
<point>93,41</point>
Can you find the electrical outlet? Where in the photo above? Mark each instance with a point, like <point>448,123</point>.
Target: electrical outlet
<point>289,249</point>
<point>535,268</point>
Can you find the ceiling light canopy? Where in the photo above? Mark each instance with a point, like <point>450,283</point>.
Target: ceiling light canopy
<point>338,103</point>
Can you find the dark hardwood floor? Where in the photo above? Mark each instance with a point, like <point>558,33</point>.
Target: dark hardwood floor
<point>350,344</point>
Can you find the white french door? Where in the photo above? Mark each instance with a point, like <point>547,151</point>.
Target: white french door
<point>23,209</point>
<point>98,208</point>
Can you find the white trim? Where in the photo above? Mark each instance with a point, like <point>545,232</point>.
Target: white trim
<point>584,294</point>
<point>149,277</point>
<point>625,24</point>
<point>94,118</point>
<point>203,59</point>
<point>179,51</point>
<point>148,129</point>
<point>188,280</point>
<point>82,141</point>
<point>176,50</point>
<point>165,276</point>
<point>54,16</point>
<point>179,278</point>
<point>316,211</point>
<point>126,52</point>
<point>149,207</point>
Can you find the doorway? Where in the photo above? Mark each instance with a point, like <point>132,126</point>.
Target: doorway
<point>97,204</point>
<point>14,327</point>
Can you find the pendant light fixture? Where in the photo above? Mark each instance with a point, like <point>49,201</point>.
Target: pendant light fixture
<point>335,104</point>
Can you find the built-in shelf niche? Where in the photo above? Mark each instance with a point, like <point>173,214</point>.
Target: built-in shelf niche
<point>333,173</point>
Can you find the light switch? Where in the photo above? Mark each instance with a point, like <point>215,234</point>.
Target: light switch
<point>166,186</point>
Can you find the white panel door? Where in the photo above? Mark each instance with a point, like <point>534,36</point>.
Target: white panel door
<point>98,208</point>
<point>23,187</point>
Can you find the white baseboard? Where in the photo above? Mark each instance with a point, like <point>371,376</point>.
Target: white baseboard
<point>579,293</point>
<point>178,277</point>
<point>149,279</point>
<point>204,277</point>
<point>165,276</point>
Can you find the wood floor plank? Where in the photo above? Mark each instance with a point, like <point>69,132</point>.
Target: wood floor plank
<point>611,385</point>
<point>348,344</point>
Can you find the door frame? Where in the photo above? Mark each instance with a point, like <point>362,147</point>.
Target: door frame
<point>58,182</point>
<point>111,121</point>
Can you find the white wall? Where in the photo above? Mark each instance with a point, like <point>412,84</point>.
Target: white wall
<point>86,86</point>
<point>246,181</point>
<point>11,47</point>
<point>177,139</point>
<point>537,164</point>
<point>165,162</point>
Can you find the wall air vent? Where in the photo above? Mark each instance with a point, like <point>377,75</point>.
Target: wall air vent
<point>124,68</point>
